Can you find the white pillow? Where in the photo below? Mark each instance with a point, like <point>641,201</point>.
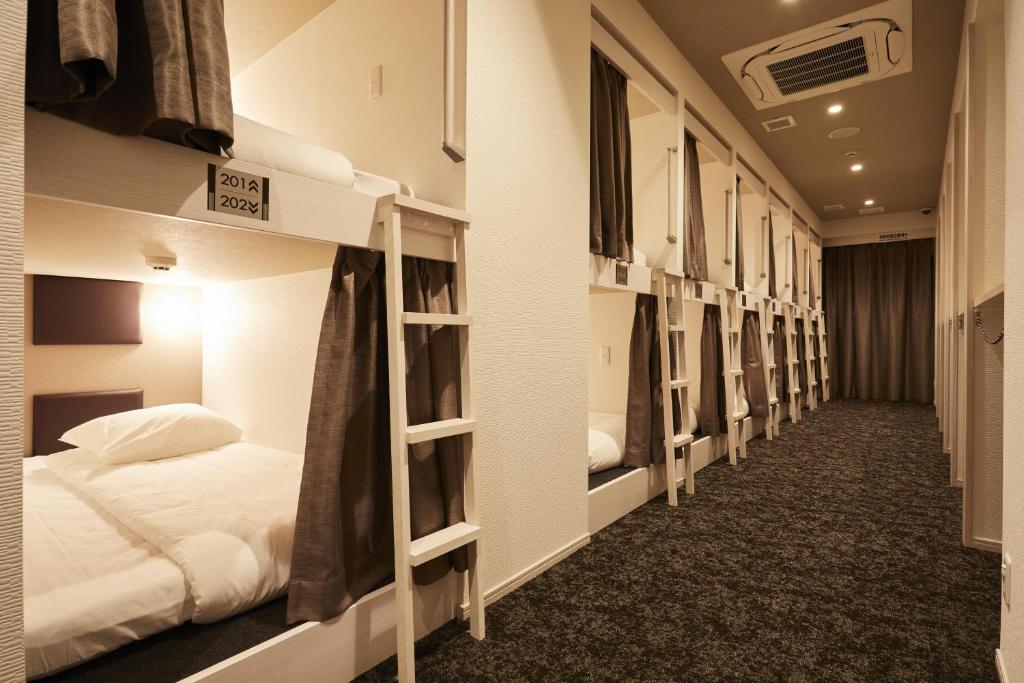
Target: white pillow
<point>153,433</point>
<point>602,452</point>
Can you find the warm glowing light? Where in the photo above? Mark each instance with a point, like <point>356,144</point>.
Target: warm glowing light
<point>172,312</point>
<point>835,109</point>
<point>869,202</point>
<point>857,168</point>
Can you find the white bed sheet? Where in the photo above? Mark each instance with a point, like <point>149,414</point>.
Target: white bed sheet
<point>91,584</point>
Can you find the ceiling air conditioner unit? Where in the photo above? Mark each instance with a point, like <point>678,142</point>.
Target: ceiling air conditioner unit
<point>856,48</point>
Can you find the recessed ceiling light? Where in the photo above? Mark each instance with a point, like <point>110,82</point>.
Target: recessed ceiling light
<point>857,168</point>
<point>869,202</point>
<point>835,109</point>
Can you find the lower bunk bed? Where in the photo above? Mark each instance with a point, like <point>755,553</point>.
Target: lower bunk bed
<point>616,491</point>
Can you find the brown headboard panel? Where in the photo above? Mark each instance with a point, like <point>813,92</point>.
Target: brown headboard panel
<point>54,414</point>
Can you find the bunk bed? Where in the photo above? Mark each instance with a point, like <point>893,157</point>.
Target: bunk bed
<point>131,180</point>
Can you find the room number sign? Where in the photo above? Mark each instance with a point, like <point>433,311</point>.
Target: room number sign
<point>237,192</point>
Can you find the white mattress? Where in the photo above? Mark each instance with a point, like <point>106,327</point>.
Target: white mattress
<point>91,585</point>
<point>606,441</point>
<point>114,553</point>
<point>260,144</point>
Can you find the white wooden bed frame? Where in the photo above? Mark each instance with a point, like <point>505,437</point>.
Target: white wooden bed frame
<point>145,178</point>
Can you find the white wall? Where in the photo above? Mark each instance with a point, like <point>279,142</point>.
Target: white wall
<point>611,326</point>
<point>12,227</point>
<point>528,185</point>
<point>316,84</point>
<point>1011,641</point>
<point>782,230</point>
<point>755,240</point>
<point>715,179</point>
<point>259,350</point>
<point>868,228</point>
<point>167,365</point>
<point>651,136</point>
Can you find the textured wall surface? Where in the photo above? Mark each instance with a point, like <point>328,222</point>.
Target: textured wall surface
<point>528,187</point>
<point>12,45</point>
<point>1012,636</point>
<point>259,351</point>
<point>167,365</point>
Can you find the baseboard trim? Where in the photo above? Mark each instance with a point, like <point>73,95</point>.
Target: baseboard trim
<point>1001,667</point>
<point>986,544</point>
<point>531,572</point>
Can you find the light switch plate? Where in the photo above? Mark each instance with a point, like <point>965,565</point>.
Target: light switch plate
<point>1006,575</point>
<point>606,355</point>
<point>376,81</point>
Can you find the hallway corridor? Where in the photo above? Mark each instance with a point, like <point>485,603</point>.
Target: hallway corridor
<point>831,554</point>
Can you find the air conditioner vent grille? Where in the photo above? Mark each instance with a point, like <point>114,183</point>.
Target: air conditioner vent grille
<point>828,65</point>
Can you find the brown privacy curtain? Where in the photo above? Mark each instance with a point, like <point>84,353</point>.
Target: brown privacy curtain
<point>753,366</point>
<point>645,423</point>
<point>739,239</point>
<point>879,300</point>
<point>781,359</point>
<point>695,252</point>
<point>772,288</point>
<point>713,418</point>
<point>611,171</point>
<point>344,545</point>
<point>133,67</point>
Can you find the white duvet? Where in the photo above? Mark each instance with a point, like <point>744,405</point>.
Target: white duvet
<point>226,517</point>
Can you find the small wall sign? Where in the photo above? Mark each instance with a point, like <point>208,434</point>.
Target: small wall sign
<point>621,273</point>
<point>237,192</point>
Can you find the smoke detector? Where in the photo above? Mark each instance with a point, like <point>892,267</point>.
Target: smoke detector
<point>161,263</point>
<point>863,46</point>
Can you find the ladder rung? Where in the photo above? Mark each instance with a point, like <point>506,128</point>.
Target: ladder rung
<point>682,440</point>
<point>796,391</point>
<point>794,362</point>
<point>428,431</point>
<point>679,383</point>
<point>772,366</point>
<point>773,401</point>
<point>736,373</point>
<point>443,541</point>
<point>436,319</point>
<point>814,384</point>
<point>812,358</point>
<point>677,328</point>
<point>739,415</point>
<point>736,330</point>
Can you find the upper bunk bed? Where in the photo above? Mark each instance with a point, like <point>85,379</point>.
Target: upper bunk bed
<point>149,179</point>
<point>644,114</point>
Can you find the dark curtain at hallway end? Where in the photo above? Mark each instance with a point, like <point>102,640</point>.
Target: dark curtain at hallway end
<point>753,365</point>
<point>344,544</point>
<point>713,420</point>
<point>157,68</point>
<point>879,301</point>
<point>645,422</point>
<point>695,249</point>
<point>611,166</point>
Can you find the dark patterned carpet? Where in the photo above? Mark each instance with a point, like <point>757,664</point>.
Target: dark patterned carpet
<point>831,554</point>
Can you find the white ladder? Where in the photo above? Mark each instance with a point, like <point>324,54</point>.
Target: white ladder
<point>732,361</point>
<point>791,362</point>
<point>826,393</point>
<point>806,315</point>
<point>434,219</point>
<point>766,319</point>
<point>673,327</point>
